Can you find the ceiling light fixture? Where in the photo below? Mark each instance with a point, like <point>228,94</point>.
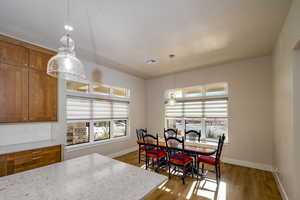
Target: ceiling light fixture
<point>151,61</point>
<point>65,64</point>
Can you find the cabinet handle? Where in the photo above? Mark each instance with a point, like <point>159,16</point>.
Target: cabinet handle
<point>25,64</point>
<point>36,152</point>
<point>35,158</point>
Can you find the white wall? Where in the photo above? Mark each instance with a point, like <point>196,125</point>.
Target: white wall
<point>250,105</point>
<point>286,106</point>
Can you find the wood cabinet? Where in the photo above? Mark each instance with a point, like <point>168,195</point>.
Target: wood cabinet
<point>27,93</point>
<point>13,54</point>
<point>13,93</point>
<point>39,60</point>
<point>42,97</point>
<point>21,161</point>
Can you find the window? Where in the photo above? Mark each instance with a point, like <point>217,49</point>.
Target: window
<point>90,120</point>
<point>97,89</point>
<point>78,133</point>
<point>78,87</point>
<point>207,111</point>
<point>101,130</point>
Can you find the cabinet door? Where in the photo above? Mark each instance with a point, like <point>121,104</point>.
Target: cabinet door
<point>42,96</point>
<point>13,93</point>
<point>13,54</point>
<point>3,165</point>
<point>39,60</point>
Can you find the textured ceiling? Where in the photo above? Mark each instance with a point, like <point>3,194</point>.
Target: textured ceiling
<point>124,34</point>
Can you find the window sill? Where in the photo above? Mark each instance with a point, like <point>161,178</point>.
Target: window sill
<point>95,143</point>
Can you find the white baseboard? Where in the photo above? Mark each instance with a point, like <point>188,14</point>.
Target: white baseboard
<point>248,164</point>
<point>280,186</point>
<point>123,152</point>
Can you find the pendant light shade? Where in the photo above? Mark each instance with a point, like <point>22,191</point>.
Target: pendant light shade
<point>172,100</point>
<point>64,64</point>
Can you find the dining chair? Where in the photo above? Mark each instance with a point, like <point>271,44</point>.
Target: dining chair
<point>139,135</point>
<point>177,157</point>
<point>213,160</point>
<point>192,135</point>
<point>153,151</point>
<point>171,132</point>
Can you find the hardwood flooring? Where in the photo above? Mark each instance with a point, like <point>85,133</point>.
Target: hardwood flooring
<point>237,183</point>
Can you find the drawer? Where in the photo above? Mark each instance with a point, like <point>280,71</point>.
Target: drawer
<point>26,160</point>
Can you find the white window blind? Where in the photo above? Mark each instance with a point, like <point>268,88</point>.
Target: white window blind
<point>102,109</point>
<point>216,108</point>
<point>198,109</point>
<point>120,110</point>
<point>81,108</point>
<point>173,111</point>
<point>78,108</point>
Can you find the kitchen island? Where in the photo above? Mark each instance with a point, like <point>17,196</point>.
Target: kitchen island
<point>91,177</point>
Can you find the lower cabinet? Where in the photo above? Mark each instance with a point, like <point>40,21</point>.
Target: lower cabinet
<point>21,161</point>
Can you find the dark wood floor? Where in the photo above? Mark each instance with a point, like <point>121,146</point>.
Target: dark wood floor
<point>237,183</point>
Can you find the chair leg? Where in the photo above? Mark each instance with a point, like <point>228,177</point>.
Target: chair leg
<point>139,155</point>
<point>183,175</point>
<point>219,168</point>
<point>217,173</point>
<point>169,170</point>
<point>146,162</point>
<point>202,170</point>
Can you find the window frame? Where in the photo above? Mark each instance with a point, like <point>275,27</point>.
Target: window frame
<point>203,118</point>
<point>100,97</point>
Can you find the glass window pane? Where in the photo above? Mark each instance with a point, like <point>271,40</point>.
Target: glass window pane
<point>101,89</point>
<point>76,86</point>
<point>193,125</point>
<point>215,128</point>
<point>216,89</point>
<point>119,92</point>
<point>192,92</point>
<point>101,130</point>
<point>77,133</point>
<point>176,124</point>
<point>119,128</point>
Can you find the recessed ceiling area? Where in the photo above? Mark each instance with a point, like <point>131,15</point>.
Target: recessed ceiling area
<point>125,34</point>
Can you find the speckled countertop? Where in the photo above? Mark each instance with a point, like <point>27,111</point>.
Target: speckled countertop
<point>91,177</point>
<point>4,149</point>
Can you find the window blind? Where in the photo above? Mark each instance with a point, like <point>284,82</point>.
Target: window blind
<point>102,109</point>
<point>84,108</point>
<point>78,108</point>
<point>216,108</point>
<point>120,110</point>
<point>198,109</point>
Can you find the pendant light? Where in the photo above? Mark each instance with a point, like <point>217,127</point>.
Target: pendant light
<point>172,98</point>
<point>65,64</point>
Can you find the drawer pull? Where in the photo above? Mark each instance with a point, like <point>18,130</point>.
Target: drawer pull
<point>36,152</point>
<point>36,158</point>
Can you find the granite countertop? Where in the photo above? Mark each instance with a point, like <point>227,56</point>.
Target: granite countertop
<point>90,177</point>
<point>5,149</point>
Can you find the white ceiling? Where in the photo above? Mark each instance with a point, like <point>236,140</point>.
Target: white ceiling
<point>123,34</point>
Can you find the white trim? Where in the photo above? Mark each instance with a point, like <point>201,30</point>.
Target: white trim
<point>96,143</point>
<point>123,152</point>
<point>280,186</point>
<point>248,164</point>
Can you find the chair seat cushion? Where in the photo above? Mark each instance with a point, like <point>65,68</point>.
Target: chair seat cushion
<point>142,148</point>
<point>181,159</point>
<point>208,160</point>
<point>156,153</point>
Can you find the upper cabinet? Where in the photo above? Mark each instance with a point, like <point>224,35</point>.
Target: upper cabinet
<point>13,93</point>
<point>39,60</point>
<point>27,93</point>
<point>13,54</point>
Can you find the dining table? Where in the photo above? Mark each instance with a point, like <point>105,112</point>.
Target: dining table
<point>191,147</point>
